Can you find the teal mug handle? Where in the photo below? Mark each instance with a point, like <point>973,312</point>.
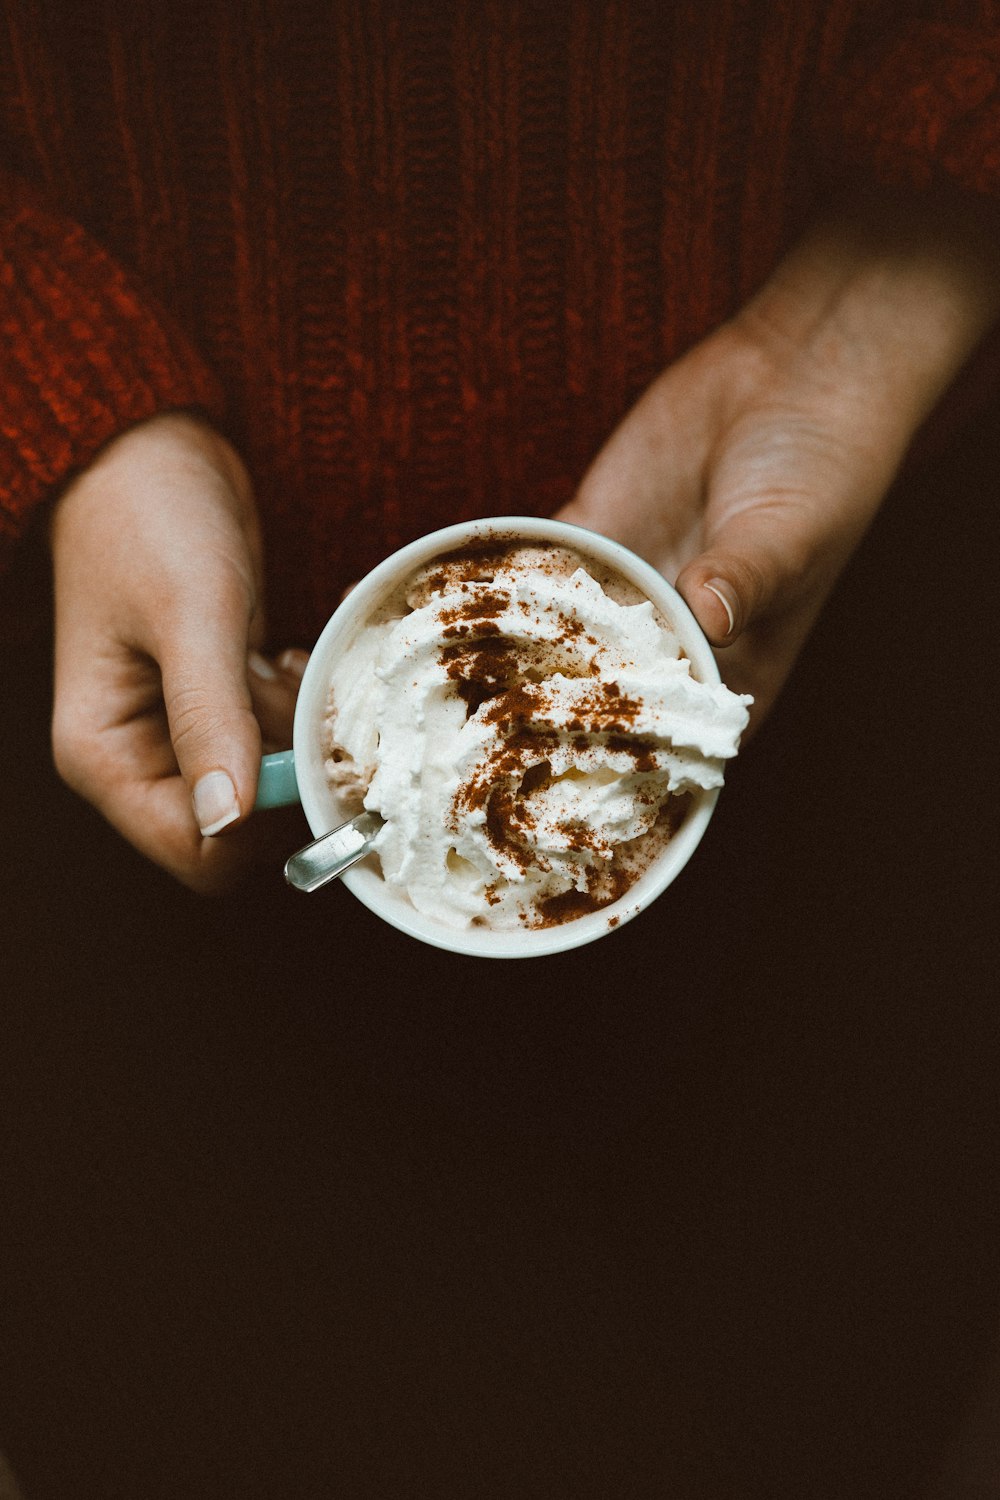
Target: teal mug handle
<point>277,786</point>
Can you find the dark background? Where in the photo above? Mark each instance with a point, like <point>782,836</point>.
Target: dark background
<point>293,1206</point>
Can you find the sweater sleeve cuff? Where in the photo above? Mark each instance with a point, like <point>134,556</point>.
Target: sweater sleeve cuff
<point>84,354</point>
<point>921,109</point>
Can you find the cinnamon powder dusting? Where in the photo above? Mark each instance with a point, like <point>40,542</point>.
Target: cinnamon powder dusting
<point>487,667</point>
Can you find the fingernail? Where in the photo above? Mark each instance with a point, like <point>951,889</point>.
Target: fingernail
<point>716,585</point>
<point>261,667</point>
<point>215,804</point>
<point>294,662</point>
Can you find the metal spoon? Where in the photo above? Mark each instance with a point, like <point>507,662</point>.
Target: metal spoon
<point>333,853</point>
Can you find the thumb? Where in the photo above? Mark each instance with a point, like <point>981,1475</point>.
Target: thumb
<point>213,729</point>
<point>756,561</point>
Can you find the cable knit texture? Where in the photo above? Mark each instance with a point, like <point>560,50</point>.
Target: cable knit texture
<point>82,355</point>
<point>923,108</point>
<point>428,253</point>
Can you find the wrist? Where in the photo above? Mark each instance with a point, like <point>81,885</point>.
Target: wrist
<point>164,515</point>
<point>176,443</point>
<point>884,301</point>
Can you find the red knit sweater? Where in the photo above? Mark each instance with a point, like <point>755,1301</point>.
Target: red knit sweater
<point>419,256</point>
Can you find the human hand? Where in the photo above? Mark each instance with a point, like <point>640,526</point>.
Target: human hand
<point>751,468</point>
<point>160,700</point>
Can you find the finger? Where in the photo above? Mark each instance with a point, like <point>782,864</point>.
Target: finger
<point>129,772</point>
<point>202,651</point>
<point>273,693</point>
<point>757,559</point>
<point>294,663</point>
<point>156,817</point>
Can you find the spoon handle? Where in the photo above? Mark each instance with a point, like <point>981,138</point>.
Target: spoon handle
<point>333,853</point>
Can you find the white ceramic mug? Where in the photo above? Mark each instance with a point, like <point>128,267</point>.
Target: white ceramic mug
<point>299,775</point>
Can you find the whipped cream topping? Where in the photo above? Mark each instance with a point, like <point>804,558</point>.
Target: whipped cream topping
<point>530,731</point>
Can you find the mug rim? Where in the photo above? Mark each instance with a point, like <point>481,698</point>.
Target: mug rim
<point>366,883</point>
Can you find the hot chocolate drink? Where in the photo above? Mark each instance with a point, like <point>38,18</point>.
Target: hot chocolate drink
<point>526,723</point>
